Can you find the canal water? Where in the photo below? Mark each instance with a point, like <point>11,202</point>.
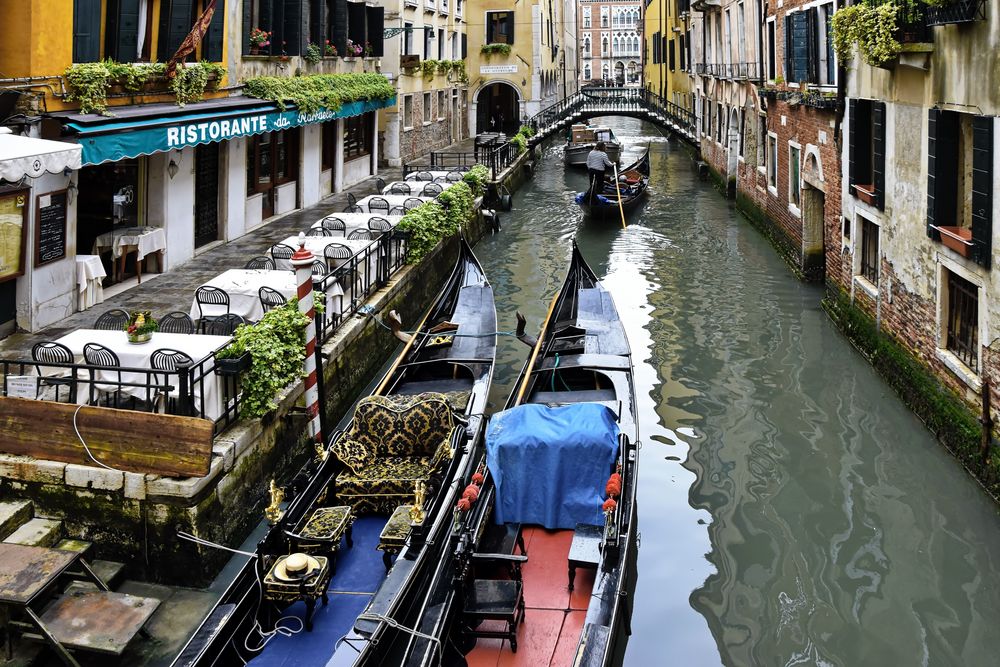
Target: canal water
<point>792,510</point>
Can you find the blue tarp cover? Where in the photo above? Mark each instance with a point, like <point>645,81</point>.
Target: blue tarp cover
<point>550,465</point>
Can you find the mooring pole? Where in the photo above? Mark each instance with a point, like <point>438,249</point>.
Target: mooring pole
<point>987,421</point>
<point>302,262</point>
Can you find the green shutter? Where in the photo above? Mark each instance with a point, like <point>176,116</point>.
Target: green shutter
<point>510,27</point>
<point>465,46</point>
<point>122,35</point>
<point>176,20</point>
<point>376,28</point>
<point>933,115</point>
<point>356,23</point>
<point>982,188</point>
<point>317,19</point>
<point>798,40</point>
<point>789,74</point>
<point>339,23</point>
<point>878,153</point>
<point>211,48</point>
<point>852,149</point>
<point>86,31</point>
<point>292,35</point>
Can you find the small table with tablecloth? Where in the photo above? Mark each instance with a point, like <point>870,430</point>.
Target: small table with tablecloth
<point>355,221</point>
<point>90,275</point>
<point>394,200</point>
<point>143,241</point>
<point>317,246</point>
<point>243,287</point>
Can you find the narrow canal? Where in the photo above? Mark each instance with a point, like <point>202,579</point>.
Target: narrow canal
<point>792,510</point>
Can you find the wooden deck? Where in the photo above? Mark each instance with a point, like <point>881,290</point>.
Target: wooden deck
<point>554,617</point>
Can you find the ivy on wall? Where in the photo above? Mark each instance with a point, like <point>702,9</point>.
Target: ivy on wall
<point>90,83</point>
<point>320,91</point>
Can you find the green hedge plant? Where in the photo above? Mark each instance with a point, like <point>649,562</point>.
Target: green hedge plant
<point>320,91</point>
<point>89,83</point>
<point>873,29</point>
<point>490,49</point>
<point>476,178</point>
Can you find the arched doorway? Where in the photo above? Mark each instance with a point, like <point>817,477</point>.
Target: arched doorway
<point>620,73</point>
<point>498,109</point>
<point>733,151</point>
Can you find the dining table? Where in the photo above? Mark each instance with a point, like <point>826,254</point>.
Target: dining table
<point>354,221</point>
<point>243,287</point>
<point>393,200</point>
<point>90,276</point>
<point>415,187</point>
<point>143,241</point>
<point>437,175</point>
<point>317,246</point>
<point>136,357</point>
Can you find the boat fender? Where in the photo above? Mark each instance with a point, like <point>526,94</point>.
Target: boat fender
<point>492,219</point>
<point>506,202</point>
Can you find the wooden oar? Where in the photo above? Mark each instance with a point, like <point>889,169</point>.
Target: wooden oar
<point>621,209</point>
<point>534,352</point>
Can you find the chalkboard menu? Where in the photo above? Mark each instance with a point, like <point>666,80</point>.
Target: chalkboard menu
<point>50,228</point>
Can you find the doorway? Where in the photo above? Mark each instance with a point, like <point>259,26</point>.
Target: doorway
<point>206,194</point>
<point>498,109</point>
<point>111,199</point>
<point>813,216</point>
<point>272,160</point>
<point>732,153</point>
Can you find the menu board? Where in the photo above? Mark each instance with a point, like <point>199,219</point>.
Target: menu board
<point>50,229</point>
<point>13,209</point>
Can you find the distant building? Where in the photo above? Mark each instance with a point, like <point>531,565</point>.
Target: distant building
<point>610,42</point>
<point>668,69</point>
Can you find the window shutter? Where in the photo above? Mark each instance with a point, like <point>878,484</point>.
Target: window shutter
<point>852,148</point>
<point>465,46</point>
<point>672,55</point>
<point>122,36</point>
<point>176,21</point>
<point>510,27</point>
<point>799,57</point>
<point>211,48</point>
<point>982,188</point>
<point>292,27</point>
<point>356,24</point>
<point>247,17</point>
<point>878,153</point>
<point>942,140</point>
<point>317,19</point>
<point>376,28</point>
<point>86,31</point>
<point>812,61</point>
<point>339,23</point>
<point>683,53</point>
<point>789,74</point>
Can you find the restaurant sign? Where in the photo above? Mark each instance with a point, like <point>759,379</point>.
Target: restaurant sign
<point>145,137</point>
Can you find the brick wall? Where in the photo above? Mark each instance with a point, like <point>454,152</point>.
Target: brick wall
<point>435,135</point>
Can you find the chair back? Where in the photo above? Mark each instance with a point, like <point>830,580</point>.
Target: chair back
<point>453,176</point>
<point>176,322</point>
<point>361,235</point>
<point>379,225</point>
<point>270,298</point>
<point>319,268</point>
<point>213,297</point>
<point>260,263</point>
<point>224,325</point>
<point>319,231</point>
<point>424,176</point>
<point>411,203</point>
<point>48,352</point>
<point>166,359</point>
<point>378,204</point>
<point>379,184</point>
<point>353,208</point>
<point>282,251</point>
<point>337,251</point>
<point>113,320</point>
<point>351,199</point>
<point>400,189</point>
<point>334,224</point>
<point>397,210</point>
<point>432,190</point>
<point>98,355</point>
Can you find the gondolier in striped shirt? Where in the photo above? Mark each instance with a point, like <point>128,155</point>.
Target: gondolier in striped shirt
<point>597,163</point>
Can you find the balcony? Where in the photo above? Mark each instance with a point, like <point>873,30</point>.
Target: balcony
<point>706,5</point>
<point>961,11</point>
<point>732,71</point>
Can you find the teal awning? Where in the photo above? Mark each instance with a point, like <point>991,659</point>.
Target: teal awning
<point>113,139</point>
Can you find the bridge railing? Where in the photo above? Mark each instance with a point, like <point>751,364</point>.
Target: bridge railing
<point>610,101</point>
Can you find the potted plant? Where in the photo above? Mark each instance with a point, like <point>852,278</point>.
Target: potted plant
<point>232,360</point>
<point>259,40</point>
<point>330,50</point>
<point>958,239</point>
<point>313,54</point>
<point>865,192</point>
<point>369,51</point>
<point>353,50</point>
<point>140,327</point>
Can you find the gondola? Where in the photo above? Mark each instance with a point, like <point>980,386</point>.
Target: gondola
<point>634,180</point>
<point>348,506</point>
<point>562,454</point>
<point>583,139</point>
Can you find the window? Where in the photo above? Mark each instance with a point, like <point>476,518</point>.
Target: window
<point>728,53</point>
<point>866,151</point>
<point>741,30</point>
<point>771,74</point>
<point>586,18</point>
<point>357,136</point>
<point>427,108</point>
<point>962,332</point>
<point>869,251</point>
<point>499,27</point>
<point>442,105</point>
<point>454,47</point>
<point>794,184</point>
<point>440,40</point>
<point>960,182</point>
<point>586,71</point>
<point>826,69</point>
<point>683,53</point>
<point>742,131</point>
<point>407,111</point>
<point>272,159</point>
<point>772,163</point>
<point>408,39</point>
<point>809,46</point>
<point>428,44</point>
<point>761,140</point>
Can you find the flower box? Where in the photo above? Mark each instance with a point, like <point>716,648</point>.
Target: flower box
<point>233,365</point>
<point>961,11</point>
<point>958,239</point>
<point>865,193</point>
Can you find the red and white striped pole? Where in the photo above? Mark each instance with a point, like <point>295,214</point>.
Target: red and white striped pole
<point>302,262</point>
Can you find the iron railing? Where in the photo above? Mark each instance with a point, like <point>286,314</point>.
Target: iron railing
<point>495,152</point>
<point>961,11</point>
<point>912,24</point>
<point>748,71</point>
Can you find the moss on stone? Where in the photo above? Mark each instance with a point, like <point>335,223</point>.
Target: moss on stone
<point>775,234</point>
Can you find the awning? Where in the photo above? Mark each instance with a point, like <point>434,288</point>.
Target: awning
<point>155,128</point>
<point>27,156</point>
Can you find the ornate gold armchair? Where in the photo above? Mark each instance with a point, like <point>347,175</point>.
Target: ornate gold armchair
<point>394,442</point>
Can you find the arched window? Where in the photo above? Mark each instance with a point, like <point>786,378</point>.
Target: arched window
<point>586,46</point>
<point>604,46</point>
<point>586,71</point>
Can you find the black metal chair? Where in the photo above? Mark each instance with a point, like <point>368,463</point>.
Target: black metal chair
<point>379,225</point>
<point>337,251</point>
<point>319,268</point>
<point>95,354</point>
<point>48,352</point>
<point>351,199</point>
<point>176,322</point>
<point>424,176</point>
<point>334,224</point>
<point>495,599</point>
<point>432,190</point>
<point>397,210</point>
<point>400,189</point>
<point>453,176</point>
<point>260,263</point>
<point>361,235</point>
<point>166,359</point>
<point>376,204</point>
<point>319,231</point>
<point>411,203</point>
<point>213,303</point>
<point>224,325</point>
<point>113,320</point>
<point>280,251</point>
<point>379,185</point>
<point>270,298</point>
<point>353,208</point>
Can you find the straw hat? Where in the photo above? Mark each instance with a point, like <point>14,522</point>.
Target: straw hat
<point>296,567</point>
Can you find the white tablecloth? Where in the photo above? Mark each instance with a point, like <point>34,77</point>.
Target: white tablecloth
<point>208,401</point>
<point>394,200</point>
<point>317,246</point>
<point>439,176</point>
<point>354,221</point>
<point>89,274</point>
<point>146,240</point>
<point>415,186</point>
<point>242,286</point>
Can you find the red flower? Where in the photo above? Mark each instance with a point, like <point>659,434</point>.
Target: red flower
<point>464,505</point>
<point>477,478</point>
<point>609,505</point>
<point>471,492</point>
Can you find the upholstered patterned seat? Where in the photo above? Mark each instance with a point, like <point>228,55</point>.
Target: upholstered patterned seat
<point>394,442</point>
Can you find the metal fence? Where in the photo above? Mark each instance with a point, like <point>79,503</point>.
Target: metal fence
<point>495,152</point>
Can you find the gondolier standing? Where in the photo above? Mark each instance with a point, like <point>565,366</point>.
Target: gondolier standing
<point>597,163</point>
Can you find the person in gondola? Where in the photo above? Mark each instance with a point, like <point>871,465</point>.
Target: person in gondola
<point>597,164</point>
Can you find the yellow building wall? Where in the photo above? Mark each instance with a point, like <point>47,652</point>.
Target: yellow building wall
<point>520,52</point>
<point>662,17</point>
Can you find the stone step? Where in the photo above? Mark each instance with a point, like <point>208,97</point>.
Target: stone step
<point>109,571</point>
<point>13,513</point>
<point>37,533</point>
<point>79,546</point>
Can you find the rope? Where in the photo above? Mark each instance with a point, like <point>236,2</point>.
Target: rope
<point>84,443</point>
<point>279,629</point>
<point>393,623</point>
<point>205,543</point>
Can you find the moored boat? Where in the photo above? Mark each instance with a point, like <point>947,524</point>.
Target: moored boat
<point>632,185</point>
<point>543,551</point>
<point>584,138</point>
<point>386,483</point>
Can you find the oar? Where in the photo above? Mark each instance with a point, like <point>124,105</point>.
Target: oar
<point>621,209</point>
<point>534,353</point>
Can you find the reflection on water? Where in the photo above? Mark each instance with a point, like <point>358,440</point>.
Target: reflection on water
<point>792,511</point>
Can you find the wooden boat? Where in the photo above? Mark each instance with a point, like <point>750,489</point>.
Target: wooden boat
<point>441,378</point>
<point>633,189</point>
<point>502,578</point>
<point>583,139</point>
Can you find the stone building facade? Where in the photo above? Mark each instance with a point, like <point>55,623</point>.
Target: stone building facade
<point>610,42</point>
